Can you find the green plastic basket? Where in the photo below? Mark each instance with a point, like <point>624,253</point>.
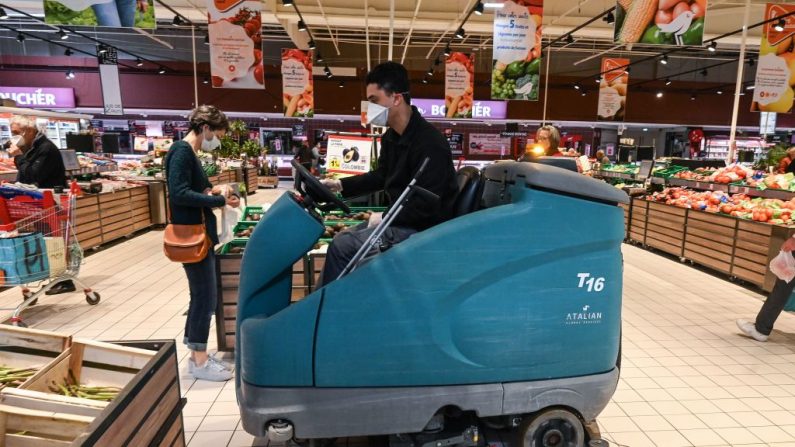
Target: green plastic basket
<point>243,225</point>
<point>247,210</point>
<point>233,243</point>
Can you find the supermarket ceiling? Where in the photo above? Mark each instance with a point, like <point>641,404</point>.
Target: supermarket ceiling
<point>343,28</point>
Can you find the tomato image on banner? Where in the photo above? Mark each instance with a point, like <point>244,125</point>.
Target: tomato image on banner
<point>297,84</point>
<point>775,73</point>
<point>459,85</point>
<point>235,29</point>
<point>613,90</point>
<point>516,63</point>
<point>660,22</point>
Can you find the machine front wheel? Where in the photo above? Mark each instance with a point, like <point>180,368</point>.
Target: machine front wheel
<point>552,428</point>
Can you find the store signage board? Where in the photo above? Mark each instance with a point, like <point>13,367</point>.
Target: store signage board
<point>672,24</point>
<point>613,90</point>
<point>109,78</point>
<point>767,123</point>
<point>435,108</point>
<point>39,97</point>
<point>775,71</point>
<point>235,30</point>
<point>459,85</point>
<point>299,130</point>
<point>349,154</point>
<point>516,56</point>
<point>488,144</point>
<point>298,98</point>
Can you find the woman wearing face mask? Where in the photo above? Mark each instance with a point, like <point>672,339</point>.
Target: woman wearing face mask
<point>192,199</point>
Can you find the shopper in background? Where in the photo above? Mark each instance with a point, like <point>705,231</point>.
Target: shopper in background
<point>602,158</point>
<point>785,165</point>
<point>37,158</point>
<point>304,155</point>
<point>316,158</point>
<point>192,199</point>
<point>549,137</point>
<point>404,147</point>
<point>760,329</point>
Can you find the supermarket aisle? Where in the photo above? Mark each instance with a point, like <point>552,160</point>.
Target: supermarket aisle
<point>689,379</point>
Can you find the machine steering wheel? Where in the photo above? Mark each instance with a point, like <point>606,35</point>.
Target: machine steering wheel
<point>320,195</point>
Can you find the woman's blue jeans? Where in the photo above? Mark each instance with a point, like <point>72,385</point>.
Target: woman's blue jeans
<point>203,297</point>
<point>115,13</point>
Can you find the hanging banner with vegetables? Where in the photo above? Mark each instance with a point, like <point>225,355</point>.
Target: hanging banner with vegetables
<point>660,22</point>
<point>235,29</point>
<point>459,83</point>
<point>116,14</point>
<point>613,89</point>
<point>516,60</point>
<point>775,74</point>
<point>297,96</point>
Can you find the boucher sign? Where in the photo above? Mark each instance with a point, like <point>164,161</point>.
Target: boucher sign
<point>434,108</point>
<point>40,98</point>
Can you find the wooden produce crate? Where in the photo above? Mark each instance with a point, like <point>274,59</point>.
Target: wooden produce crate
<point>270,181</point>
<point>251,180</point>
<point>637,222</point>
<point>709,240</point>
<point>88,228</point>
<point>22,348</point>
<point>215,180</point>
<point>665,228</point>
<point>626,208</point>
<point>139,203</point>
<point>39,428</point>
<point>227,267</point>
<point>756,245</point>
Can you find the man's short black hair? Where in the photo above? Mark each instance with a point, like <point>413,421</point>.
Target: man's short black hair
<point>390,77</point>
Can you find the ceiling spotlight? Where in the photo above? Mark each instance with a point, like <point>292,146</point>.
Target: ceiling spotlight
<point>207,38</point>
<point>659,94</point>
<point>437,61</point>
<point>102,49</point>
<point>713,46</point>
<point>70,74</point>
<point>424,80</point>
<point>328,72</point>
<point>139,62</point>
<point>288,3</point>
<point>751,87</point>
<point>68,52</point>
<point>693,97</point>
<point>479,8</point>
<point>569,39</point>
<point>577,86</point>
<point>177,21</point>
<point>597,79</point>
<point>751,62</point>
<point>495,5</point>
<point>609,18</point>
<point>162,70</point>
<point>720,92</point>
<point>704,72</point>
<point>626,69</point>
<point>206,80</point>
<point>779,26</point>
<point>645,129</point>
<point>312,45</point>
<point>429,72</point>
<point>460,33</point>
<point>301,25</point>
<point>20,37</point>
<point>664,60</point>
<point>3,14</point>
<point>341,84</point>
<point>319,57</point>
<point>447,51</point>
<point>62,34</point>
<point>668,81</point>
<point>584,92</point>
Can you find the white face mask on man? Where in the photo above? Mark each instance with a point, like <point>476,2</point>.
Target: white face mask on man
<point>212,143</point>
<point>378,115</point>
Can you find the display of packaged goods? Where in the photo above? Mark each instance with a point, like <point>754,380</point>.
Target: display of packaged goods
<point>621,168</point>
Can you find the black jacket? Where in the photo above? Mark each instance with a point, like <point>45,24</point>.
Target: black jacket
<point>400,158</point>
<point>41,165</point>
<point>186,184</point>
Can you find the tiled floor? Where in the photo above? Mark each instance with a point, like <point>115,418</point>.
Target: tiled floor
<point>688,378</point>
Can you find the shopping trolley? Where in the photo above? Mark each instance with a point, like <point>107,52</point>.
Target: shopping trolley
<point>38,247</point>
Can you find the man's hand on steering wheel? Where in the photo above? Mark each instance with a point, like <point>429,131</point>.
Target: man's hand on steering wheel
<point>321,195</point>
<point>332,184</point>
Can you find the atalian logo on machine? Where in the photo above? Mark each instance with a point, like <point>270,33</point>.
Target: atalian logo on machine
<point>585,316</point>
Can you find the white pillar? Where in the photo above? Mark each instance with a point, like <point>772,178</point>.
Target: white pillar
<point>738,87</point>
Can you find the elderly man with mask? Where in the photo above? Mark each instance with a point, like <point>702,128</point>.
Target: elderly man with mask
<point>37,158</point>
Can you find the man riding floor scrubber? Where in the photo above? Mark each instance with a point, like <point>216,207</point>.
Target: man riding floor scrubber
<point>502,323</point>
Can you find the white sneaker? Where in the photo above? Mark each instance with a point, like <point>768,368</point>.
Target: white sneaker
<point>226,365</point>
<point>749,329</point>
<point>211,370</point>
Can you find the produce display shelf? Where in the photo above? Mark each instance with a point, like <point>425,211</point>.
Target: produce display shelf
<point>737,247</point>
<point>618,175</point>
<point>764,193</point>
<point>105,217</point>
<point>693,184</point>
<point>92,170</point>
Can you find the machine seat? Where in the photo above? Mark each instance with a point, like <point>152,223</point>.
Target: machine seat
<point>470,191</point>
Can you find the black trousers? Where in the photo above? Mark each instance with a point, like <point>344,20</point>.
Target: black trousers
<point>345,245</point>
<point>773,306</point>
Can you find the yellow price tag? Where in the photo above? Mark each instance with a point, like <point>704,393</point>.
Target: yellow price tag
<point>335,163</point>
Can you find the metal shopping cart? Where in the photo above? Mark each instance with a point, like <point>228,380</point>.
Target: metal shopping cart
<point>38,247</point>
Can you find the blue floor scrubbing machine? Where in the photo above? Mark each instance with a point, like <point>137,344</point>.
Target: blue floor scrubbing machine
<point>502,323</point>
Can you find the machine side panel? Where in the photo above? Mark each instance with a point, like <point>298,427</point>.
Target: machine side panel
<point>517,292</point>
